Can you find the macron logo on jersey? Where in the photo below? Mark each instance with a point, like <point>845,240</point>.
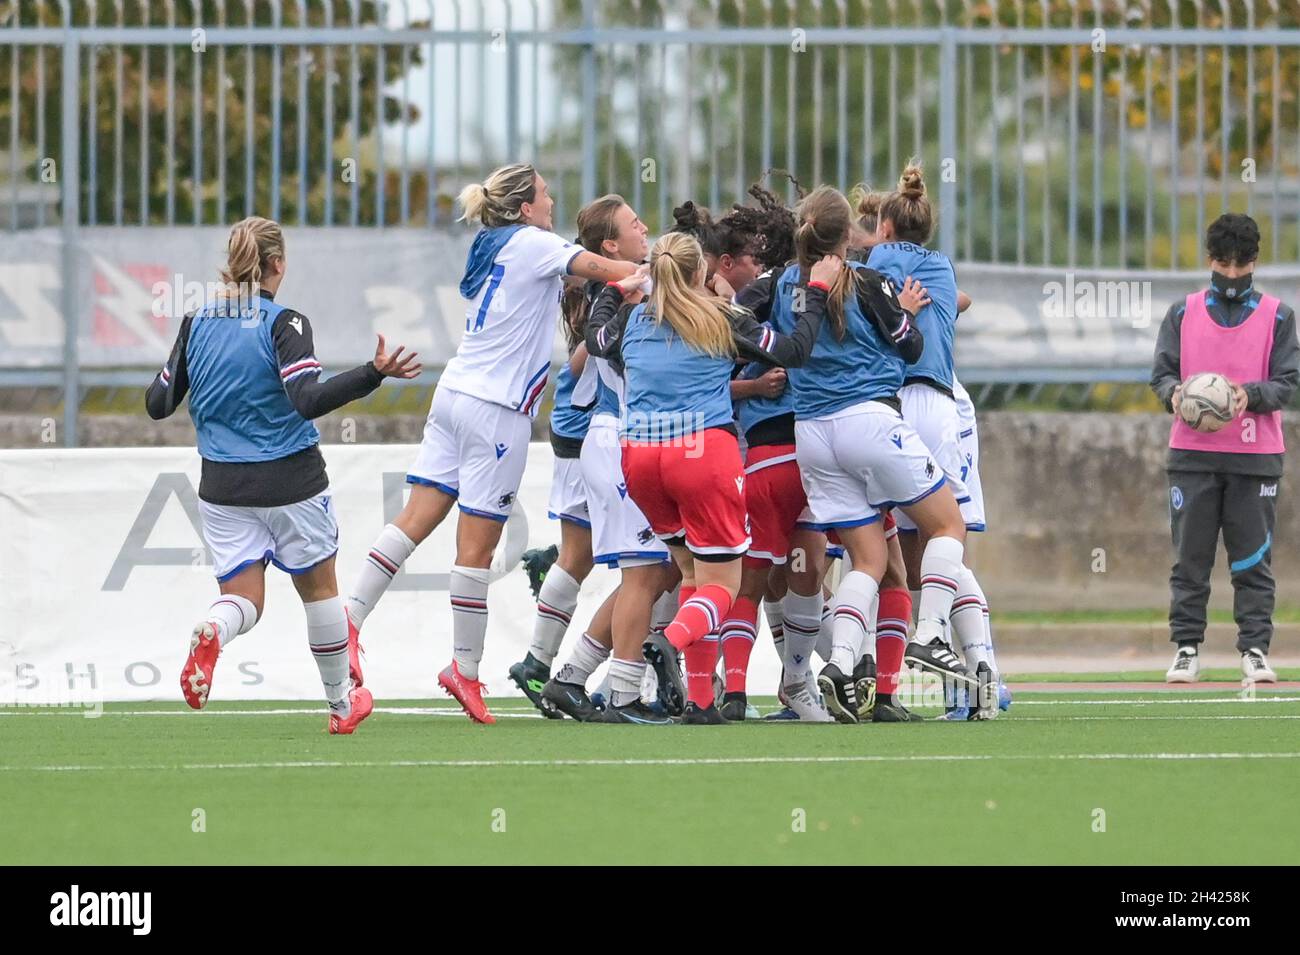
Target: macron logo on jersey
<point>622,491</point>
<point>501,450</point>
<point>296,324</point>
<point>897,439</point>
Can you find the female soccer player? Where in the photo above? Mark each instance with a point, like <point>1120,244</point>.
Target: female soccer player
<point>856,454</point>
<point>905,223</point>
<point>250,369</point>
<point>476,439</point>
<point>681,459</point>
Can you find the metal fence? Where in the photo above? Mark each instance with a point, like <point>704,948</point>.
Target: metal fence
<point>1064,134</point>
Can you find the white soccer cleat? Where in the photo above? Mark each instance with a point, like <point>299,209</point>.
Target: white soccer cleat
<point>1186,667</point>
<point>806,704</point>
<point>1255,668</point>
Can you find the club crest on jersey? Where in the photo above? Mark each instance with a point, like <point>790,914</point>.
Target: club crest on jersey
<point>929,469</point>
<point>645,535</point>
<point>501,450</point>
<point>505,500</point>
<point>622,491</point>
<point>897,439</point>
<point>1176,497</point>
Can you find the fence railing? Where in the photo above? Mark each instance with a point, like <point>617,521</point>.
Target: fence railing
<point>1063,134</point>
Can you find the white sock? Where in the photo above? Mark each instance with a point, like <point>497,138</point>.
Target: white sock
<point>968,620</point>
<point>826,633</point>
<point>853,620</point>
<point>988,627</point>
<point>941,567</point>
<point>586,655</point>
<point>803,616</point>
<point>625,681</point>
<point>387,554</point>
<point>233,615</point>
<point>469,618</point>
<point>556,601</point>
<point>327,633</point>
<point>664,609</point>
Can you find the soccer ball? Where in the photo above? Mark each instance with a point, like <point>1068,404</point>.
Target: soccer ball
<point>1206,402</point>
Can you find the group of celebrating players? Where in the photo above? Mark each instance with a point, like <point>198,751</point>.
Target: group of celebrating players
<point>743,403</point>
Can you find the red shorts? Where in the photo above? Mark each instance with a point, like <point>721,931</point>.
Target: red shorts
<point>774,497</point>
<point>693,486</point>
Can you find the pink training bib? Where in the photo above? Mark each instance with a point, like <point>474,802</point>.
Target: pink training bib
<point>1240,354</point>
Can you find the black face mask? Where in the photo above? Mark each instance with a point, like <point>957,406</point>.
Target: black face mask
<point>1234,290</point>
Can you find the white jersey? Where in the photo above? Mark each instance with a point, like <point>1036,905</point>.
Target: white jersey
<point>510,325</point>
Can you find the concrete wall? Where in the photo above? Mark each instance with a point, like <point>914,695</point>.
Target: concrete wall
<point>1067,494</point>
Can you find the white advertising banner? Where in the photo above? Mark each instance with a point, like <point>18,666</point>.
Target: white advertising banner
<point>103,573</point>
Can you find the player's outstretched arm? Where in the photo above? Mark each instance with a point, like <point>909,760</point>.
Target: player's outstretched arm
<point>168,389</point>
<point>793,350</point>
<point>300,371</point>
<point>589,265</point>
<point>877,298</point>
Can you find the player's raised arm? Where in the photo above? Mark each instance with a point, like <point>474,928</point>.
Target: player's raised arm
<point>877,299</point>
<point>588,265</point>
<point>167,390</point>
<point>301,372</point>
<point>610,311</point>
<point>761,343</point>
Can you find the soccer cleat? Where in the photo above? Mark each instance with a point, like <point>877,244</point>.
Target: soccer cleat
<point>355,649</point>
<point>536,563</point>
<point>530,675</point>
<point>785,715</point>
<point>937,657</point>
<point>362,705</point>
<point>864,686</point>
<point>468,693</point>
<point>1004,696</point>
<point>985,704</point>
<point>635,712</point>
<point>735,707</point>
<point>709,715</point>
<point>752,713</point>
<point>1255,668</point>
<point>839,694</point>
<point>571,700</point>
<point>1186,667</point>
<point>889,710</point>
<point>806,706</point>
<point>662,655</point>
<point>196,675</point>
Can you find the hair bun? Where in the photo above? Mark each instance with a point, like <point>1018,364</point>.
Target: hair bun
<point>911,184</point>
<point>689,216</point>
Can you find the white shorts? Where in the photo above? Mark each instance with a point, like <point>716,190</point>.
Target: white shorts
<point>969,438</point>
<point>934,416</point>
<point>620,534</point>
<point>294,537</point>
<point>860,461</point>
<point>473,450</point>
<point>568,493</point>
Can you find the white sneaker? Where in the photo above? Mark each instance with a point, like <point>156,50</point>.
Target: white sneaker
<point>1255,668</point>
<point>1187,667</point>
<point>806,704</point>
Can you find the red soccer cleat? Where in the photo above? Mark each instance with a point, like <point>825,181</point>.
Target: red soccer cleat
<point>468,693</point>
<point>196,675</point>
<point>355,649</point>
<point>362,705</point>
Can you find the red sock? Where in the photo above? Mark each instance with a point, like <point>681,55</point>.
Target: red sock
<point>701,613</point>
<point>701,660</point>
<point>738,633</point>
<point>892,618</point>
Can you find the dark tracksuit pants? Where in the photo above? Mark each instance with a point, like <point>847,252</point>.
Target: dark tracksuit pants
<point>1201,503</point>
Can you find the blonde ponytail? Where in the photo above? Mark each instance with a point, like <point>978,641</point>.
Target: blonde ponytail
<point>252,244</point>
<point>702,320</point>
<point>496,201</point>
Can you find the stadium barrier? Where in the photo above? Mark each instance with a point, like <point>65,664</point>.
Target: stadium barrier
<point>102,562</point>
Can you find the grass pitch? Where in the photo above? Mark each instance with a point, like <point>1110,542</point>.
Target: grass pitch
<point>1094,776</point>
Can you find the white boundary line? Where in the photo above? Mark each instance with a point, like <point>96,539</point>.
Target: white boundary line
<point>686,761</point>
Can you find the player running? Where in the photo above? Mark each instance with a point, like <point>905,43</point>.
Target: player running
<point>249,367</point>
<point>476,438</point>
<point>681,458</point>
